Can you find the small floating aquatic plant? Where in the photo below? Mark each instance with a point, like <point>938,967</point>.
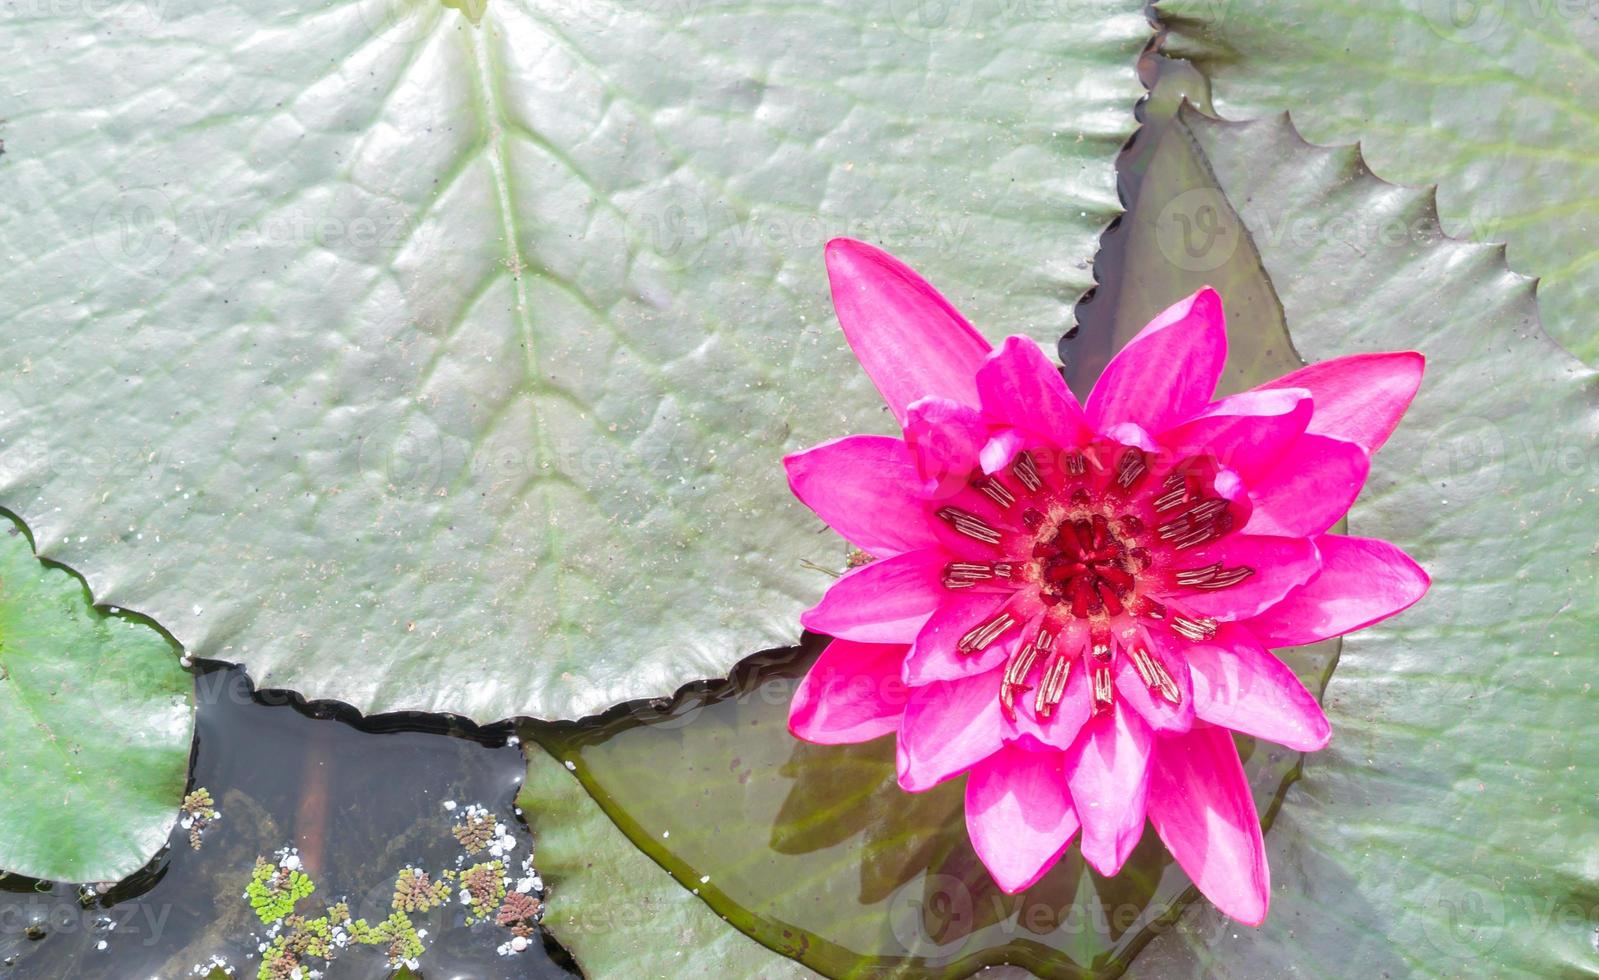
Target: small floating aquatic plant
<point>1072,604</point>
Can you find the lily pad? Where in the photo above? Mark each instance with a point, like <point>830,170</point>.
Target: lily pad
<point>1450,827</point>
<point>814,850</point>
<point>429,361</point>
<point>96,718</point>
<point>620,910</point>
<point>1492,100</point>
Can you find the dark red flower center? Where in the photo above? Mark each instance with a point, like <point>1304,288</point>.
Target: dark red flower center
<point>1102,536</point>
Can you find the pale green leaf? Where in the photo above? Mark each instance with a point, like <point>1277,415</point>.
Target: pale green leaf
<point>1450,827</point>
<point>1492,100</point>
<point>619,913</point>
<point>425,365</point>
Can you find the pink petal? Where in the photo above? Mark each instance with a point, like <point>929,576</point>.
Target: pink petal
<point>949,726</point>
<point>853,693</point>
<point>864,487</point>
<point>944,438</point>
<point>1132,434</point>
<point>1200,805</point>
<point>1108,772</point>
<point>1168,372</point>
<point>1002,447</point>
<point>1239,684</point>
<point>909,339</point>
<point>1160,714</point>
<point>1310,488</point>
<point>1362,581</point>
<point>1061,729</point>
<point>1019,386</point>
<point>933,656</point>
<point>1247,433</point>
<point>1359,398</point>
<point>1280,565</point>
<point>884,602</point>
<point>1018,815</point>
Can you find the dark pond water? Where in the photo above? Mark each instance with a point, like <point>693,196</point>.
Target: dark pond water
<point>360,799</point>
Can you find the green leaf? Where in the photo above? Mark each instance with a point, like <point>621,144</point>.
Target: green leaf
<point>1493,100</point>
<point>1450,827</point>
<point>618,910</point>
<point>96,716</point>
<point>425,365</point>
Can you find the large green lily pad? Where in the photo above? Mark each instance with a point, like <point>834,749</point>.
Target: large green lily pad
<point>96,718</point>
<point>426,361</point>
<point>1492,100</point>
<point>1450,827</point>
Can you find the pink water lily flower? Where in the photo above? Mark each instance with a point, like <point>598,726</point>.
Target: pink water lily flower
<point>1073,604</point>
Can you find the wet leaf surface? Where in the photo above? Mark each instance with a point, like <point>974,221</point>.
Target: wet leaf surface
<point>435,362</point>
<point>1492,100</point>
<point>1450,827</point>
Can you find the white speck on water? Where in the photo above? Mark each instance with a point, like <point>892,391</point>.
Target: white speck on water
<point>665,834</point>
<point>102,944</point>
<point>571,765</point>
<point>449,805</point>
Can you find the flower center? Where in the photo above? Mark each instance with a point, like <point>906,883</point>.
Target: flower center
<point>1101,543</point>
<point>1087,561</point>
